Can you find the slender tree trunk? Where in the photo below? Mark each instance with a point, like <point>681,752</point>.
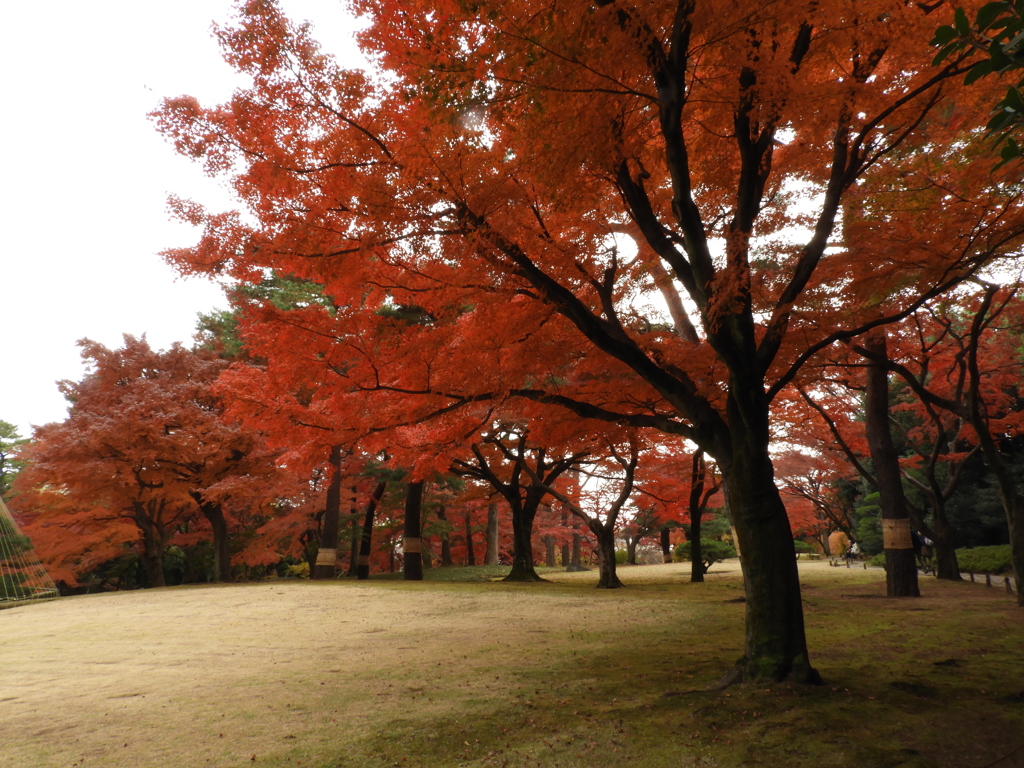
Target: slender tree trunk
<point>605,536</point>
<point>1009,493</point>
<point>577,540</point>
<point>698,468</point>
<point>666,545</point>
<point>565,541</point>
<point>412,542</point>
<point>631,542</point>
<point>1013,503</point>
<point>365,541</point>
<point>696,559</point>
<point>470,553</point>
<point>446,543</point>
<point>491,550</point>
<point>426,553</point>
<point>549,551</point>
<point>900,563</point>
<point>353,559</point>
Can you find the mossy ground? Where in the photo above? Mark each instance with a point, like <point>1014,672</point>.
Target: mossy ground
<point>444,673</point>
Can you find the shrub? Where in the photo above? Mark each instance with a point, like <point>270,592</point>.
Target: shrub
<point>711,551</point>
<point>620,556</point>
<point>878,560</point>
<point>300,571</point>
<point>995,559</point>
<point>802,548</point>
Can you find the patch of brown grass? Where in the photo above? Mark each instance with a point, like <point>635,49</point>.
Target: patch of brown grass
<point>558,674</point>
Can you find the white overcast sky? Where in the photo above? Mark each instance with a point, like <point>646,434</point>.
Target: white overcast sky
<point>85,179</point>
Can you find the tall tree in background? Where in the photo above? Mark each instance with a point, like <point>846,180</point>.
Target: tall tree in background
<point>145,444</point>
<point>544,170</point>
<point>10,464</point>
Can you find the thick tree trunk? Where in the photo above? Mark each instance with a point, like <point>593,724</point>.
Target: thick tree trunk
<point>221,541</point>
<point>470,552</point>
<point>412,542</point>
<point>214,514</point>
<point>946,565</point>
<point>666,545</point>
<point>576,542</point>
<point>327,554</point>
<point>153,540</point>
<point>900,563</point>
<point>608,579</point>
<point>365,541</point>
<point>523,515</point>
<point>491,550</point>
<point>776,645</point>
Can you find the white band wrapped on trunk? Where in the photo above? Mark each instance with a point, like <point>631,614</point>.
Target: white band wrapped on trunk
<point>326,556</point>
<point>896,533</point>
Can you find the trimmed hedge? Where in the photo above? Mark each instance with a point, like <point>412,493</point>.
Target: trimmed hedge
<point>994,559</point>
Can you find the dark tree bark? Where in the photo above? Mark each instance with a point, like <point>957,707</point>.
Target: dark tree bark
<point>412,542</point>
<point>577,542</point>
<point>154,540</point>
<point>549,551</point>
<point>470,552</point>
<point>446,544</point>
<point>327,554</point>
<point>524,512</point>
<point>900,563</point>
<point>565,541</point>
<point>365,541</point>
<point>353,548</point>
<point>491,542</point>
<point>944,535</point>
<point>697,469</point>
<point>426,552</point>
<point>608,577</point>
<point>214,513</point>
<point>666,544</point>
<point>696,555</point>
<point>523,498</point>
<point>970,405</point>
<point>776,645</point>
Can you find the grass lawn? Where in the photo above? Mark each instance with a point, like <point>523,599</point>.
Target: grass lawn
<point>476,673</point>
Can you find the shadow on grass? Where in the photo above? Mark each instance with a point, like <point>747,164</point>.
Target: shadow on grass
<point>934,682</point>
